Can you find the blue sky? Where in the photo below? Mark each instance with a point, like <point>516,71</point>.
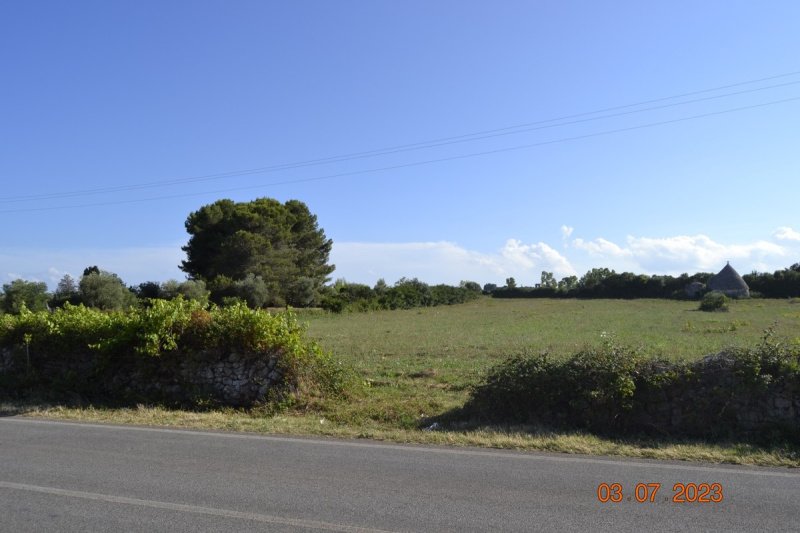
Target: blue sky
<point>147,97</point>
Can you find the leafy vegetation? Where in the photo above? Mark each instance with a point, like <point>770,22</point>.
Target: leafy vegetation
<point>714,301</point>
<point>610,388</point>
<point>602,283</point>
<point>605,283</point>
<point>189,289</point>
<point>783,283</point>
<point>405,294</point>
<point>278,249</point>
<point>179,327</point>
<point>21,294</point>
<point>589,389</point>
<point>105,290</point>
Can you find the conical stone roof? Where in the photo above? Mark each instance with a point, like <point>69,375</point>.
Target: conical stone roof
<point>729,282</point>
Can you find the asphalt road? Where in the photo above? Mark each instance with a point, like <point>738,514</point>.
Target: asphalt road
<point>61,476</point>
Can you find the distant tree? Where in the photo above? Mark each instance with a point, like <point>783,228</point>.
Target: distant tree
<point>511,283</point>
<point>548,280</point>
<point>568,283</point>
<point>105,290</point>
<point>280,244</point>
<point>472,286</point>
<point>29,294</point>
<point>194,289</point>
<point>67,286</point>
<point>67,290</point>
<point>594,278</point>
<point>489,288</point>
<point>148,289</point>
<point>91,270</point>
<point>408,293</point>
<point>381,286</point>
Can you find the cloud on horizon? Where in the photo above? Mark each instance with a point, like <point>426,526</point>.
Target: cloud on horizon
<point>785,233</point>
<point>683,253</point>
<point>443,261</point>
<point>437,262</point>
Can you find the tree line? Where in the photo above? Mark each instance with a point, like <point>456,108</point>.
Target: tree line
<point>97,289</point>
<point>272,254</point>
<point>106,291</point>
<point>405,294</point>
<point>605,283</point>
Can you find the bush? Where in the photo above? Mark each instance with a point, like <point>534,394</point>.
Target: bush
<point>714,301</point>
<point>739,393</point>
<point>588,390</point>
<point>95,344</point>
<point>473,286</point>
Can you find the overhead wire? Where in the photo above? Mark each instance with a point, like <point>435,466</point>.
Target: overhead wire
<point>416,163</point>
<point>485,134</point>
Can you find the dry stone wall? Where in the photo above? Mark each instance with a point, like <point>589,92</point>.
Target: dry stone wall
<point>232,379</point>
<point>750,394</point>
<point>712,397</point>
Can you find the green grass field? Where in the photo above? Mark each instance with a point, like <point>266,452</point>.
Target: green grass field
<point>415,365</point>
<point>420,362</point>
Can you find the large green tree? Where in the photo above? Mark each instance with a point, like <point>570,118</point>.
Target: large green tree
<point>280,243</point>
<point>19,293</point>
<point>105,290</point>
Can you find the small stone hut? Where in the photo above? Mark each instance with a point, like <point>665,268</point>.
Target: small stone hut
<point>730,283</point>
<point>694,289</point>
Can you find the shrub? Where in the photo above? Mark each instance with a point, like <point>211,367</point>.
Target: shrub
<point>473,286</point>
<point>714,301</point>
<point>95,345</point>
<point>613,389</point>
<point>191,289</point>
<point>588,390</point>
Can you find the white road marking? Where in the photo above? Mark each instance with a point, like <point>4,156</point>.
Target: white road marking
<point>751,471</point>
<point>255,517</point>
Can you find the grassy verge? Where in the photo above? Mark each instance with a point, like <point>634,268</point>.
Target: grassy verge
<point>417,365</point>
<point>513,437</point>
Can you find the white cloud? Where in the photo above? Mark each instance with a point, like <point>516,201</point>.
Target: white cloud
<point>682,253</point>
<point>601,247</point>
<point>566,231</point>
<point>785,233</point>
<point>445,262</point>
<point>538,256</point>
<point>699,250</point>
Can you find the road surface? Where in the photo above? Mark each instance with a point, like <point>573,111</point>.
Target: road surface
<point>62,476</point>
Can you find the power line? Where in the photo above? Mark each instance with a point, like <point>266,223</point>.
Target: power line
<point>416,163</point>
<point>509,130</point>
